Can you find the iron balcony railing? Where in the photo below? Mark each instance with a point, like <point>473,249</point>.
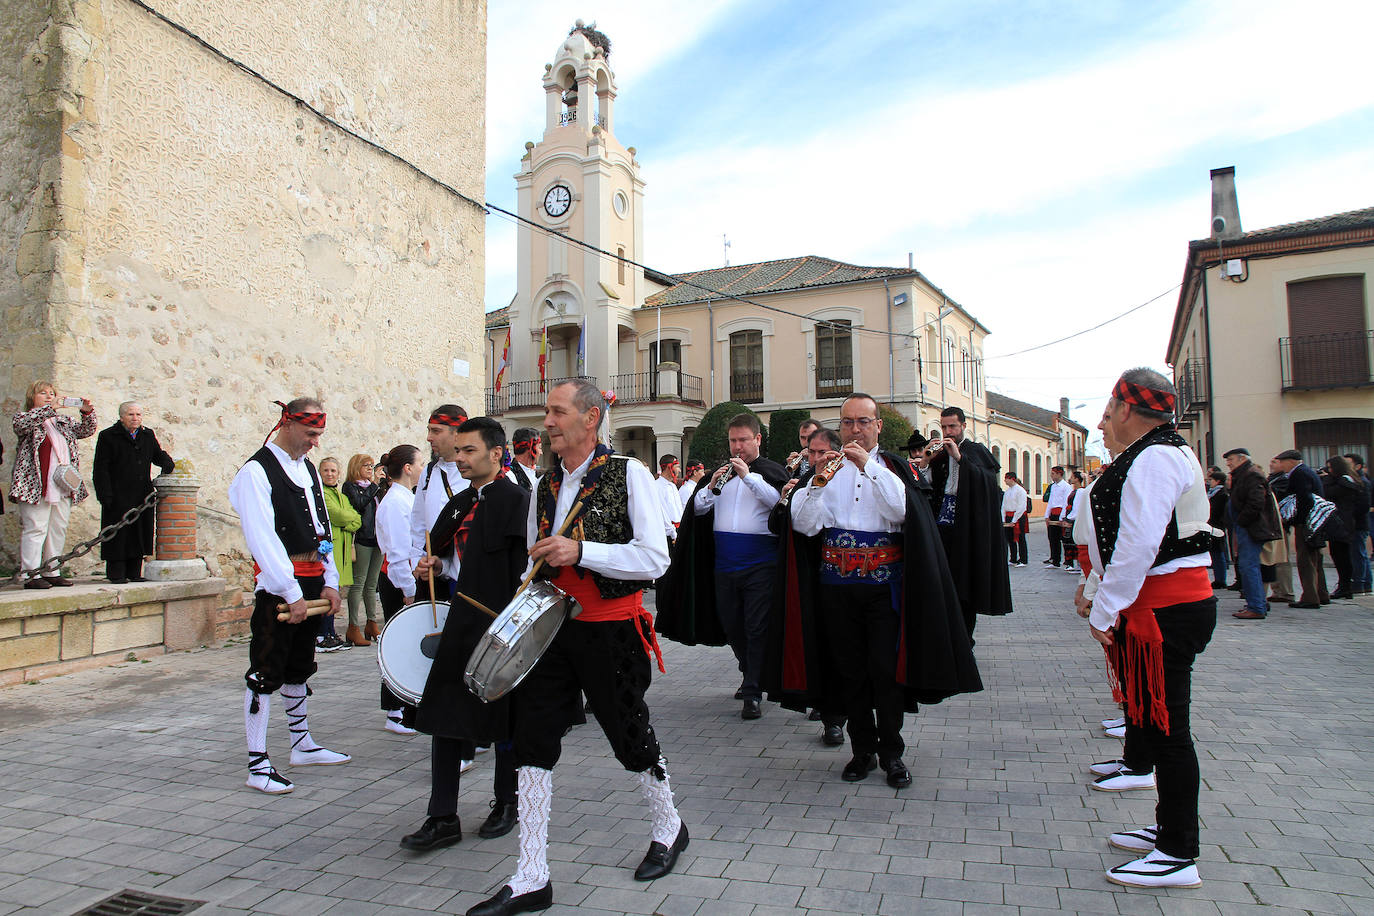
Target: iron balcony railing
<point>746,387</point>
<point>1341,360</point>
<point>524,394</point>
<point>834,381</point>
<point>1193,392</point>
<point>642,388</point>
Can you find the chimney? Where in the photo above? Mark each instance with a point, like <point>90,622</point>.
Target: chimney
<point>1225,209</point>
<point>1064,407</point>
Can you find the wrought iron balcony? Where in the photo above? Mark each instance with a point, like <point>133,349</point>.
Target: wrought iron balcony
<point>524,395</point>
<point>1193,392</point>
<point>834,381</point>
<point>1326,361</point>
<point>746,387</point>
<point>643,388</point>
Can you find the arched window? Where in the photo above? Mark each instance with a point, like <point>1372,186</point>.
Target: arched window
<point>997,453</point>
<point>746,367</point>
<point>1011,462</point>
<point>965,368</point>
<point>1025,471</point>
<point>1039,481</point>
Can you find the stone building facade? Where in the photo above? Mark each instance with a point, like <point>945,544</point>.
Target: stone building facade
<point>211,205</point>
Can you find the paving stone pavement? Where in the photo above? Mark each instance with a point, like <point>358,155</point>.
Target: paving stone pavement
<point>132,777</point>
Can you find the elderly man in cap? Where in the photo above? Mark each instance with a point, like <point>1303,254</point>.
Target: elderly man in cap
<point>1304,484</point>
<point>1256,523</point>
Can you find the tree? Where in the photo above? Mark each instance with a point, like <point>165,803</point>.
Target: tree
<point>710,444</point>
<point>782,433</point>
<point>896,430</point>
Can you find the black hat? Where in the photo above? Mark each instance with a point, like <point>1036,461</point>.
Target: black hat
<point>1237,451</point>
<point>916,442</point>
<point>1290,454</point>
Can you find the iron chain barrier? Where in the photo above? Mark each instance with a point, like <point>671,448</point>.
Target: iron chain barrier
<point>53,567</point>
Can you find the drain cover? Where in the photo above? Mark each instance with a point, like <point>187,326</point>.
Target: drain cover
<point>138,903</point>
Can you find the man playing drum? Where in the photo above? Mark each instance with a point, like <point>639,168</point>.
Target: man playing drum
<point>604,651</point>
<point>440,483</point>
<point>279,501</point>
<point>483,525</point>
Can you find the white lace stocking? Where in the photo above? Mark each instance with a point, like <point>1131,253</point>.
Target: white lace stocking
<point>659,796</point>
<point>534,803</point>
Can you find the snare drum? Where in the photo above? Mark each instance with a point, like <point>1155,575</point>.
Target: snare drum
<point>516,639</point>
<point>407,646</point>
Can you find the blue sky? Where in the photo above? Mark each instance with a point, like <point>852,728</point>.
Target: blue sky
<point>1045,162</point>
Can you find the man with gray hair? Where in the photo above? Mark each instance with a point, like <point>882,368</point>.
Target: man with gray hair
<point>1149,541</point>
<point>125,453</point>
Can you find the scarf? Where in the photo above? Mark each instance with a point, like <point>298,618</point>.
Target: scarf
<point>61,456</point>
<point>549,504</point>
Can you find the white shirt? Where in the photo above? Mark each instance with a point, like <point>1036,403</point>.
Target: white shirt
<point>251,496</point>
<point>1014,501</point>
<point>1059,496</point>
<point>685,491</point>
<point>429,502</point>
<point>645,556</point>
<point>742,506</point>
<point>1158,480</point>
<point>873,499</point>
<point>393,537</point>
<point>952,481</point>
<point>672,505</point>
<point>530,474</point>
<point>1076,504</point>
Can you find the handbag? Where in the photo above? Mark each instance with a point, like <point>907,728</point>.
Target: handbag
<point>67,479</point>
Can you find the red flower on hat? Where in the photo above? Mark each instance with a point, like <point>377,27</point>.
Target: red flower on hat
<point>609,395</point>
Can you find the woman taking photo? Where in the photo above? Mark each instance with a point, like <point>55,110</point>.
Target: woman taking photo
<point>364,613</point>
<point>47,477</point>
<point>396,588</point>
<point>343,522</point>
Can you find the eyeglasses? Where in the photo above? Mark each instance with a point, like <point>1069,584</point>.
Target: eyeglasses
<point>861,422</point>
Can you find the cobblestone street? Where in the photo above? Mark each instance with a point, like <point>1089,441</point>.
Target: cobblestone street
<point>132,777</point>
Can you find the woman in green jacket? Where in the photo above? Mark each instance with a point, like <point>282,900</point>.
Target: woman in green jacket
<point>343,521</point>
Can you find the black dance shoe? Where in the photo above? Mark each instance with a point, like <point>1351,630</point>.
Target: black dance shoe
<point>500,821</point>
<point>833,736</point>
<point>505,902</point>
<point>898,776</point>
<point>436,832</point>
<point>751,710</point>
<point>859,767</point>
<point>660,859</point>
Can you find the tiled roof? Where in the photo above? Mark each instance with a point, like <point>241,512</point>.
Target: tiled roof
<point>1011,407</point>
<point>807,272</point>
<point>498,318</point>
<point>1337,222</point>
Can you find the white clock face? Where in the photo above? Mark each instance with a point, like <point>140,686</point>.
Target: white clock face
<point>557,200</point>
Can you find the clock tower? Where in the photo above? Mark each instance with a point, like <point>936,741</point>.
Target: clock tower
<point>581,183</point>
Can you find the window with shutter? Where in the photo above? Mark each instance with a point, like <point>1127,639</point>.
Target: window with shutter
<point>1329,339</point>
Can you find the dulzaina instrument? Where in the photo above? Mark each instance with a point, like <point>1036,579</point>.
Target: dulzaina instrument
<point>826,470</point>
<point>521,633</point>
<point>729,470</point>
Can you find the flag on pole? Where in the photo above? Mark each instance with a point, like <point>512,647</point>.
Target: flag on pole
<point>582,349</point>
<point>543,355</point>
<point>504,363</point>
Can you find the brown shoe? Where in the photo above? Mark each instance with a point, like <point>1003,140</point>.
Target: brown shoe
<point>59,580</point>
<point>372,631</point>
<point>1247,614</point>
<point>354,636</point>
<point>38,583</point>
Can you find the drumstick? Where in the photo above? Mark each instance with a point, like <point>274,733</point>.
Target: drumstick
<point>567,522</point>
<point>477,604</point>
<point>432,609</point>
<point>312,609</point>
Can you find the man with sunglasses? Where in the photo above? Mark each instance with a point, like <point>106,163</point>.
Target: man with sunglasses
<point>889,608</point>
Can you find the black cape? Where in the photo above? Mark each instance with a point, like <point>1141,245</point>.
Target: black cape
<point>494,559</point>
<point>121,475</point>
<point>686,593</point>
<point>935,658</point>
<point>976,548</point>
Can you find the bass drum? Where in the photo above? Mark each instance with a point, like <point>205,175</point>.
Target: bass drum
<point>516,639</point>
<point>407,646</point>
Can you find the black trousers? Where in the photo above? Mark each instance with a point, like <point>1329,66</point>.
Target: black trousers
<point>126,568</point>
<point>446,758</point>
<point>280,653</point>
<point>862,630</point>
<point>1340,556</point>
<point>606,661</point>
<point>1016,545</point>
<point>743,601</point>
<point>1056,538</point>
<point>1187,628</point>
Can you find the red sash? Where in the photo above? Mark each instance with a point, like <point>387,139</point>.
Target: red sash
<point>596,609</point>
<point>304,570</point>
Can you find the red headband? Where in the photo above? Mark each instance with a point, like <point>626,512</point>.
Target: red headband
<point>444,419</point>
<point>310,418</point>
<point>523,443</point>
<point>1140,396</point>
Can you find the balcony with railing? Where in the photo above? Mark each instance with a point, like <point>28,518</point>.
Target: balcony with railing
<point>746,387</point>
<point>524,395</point>
<point>643,388</point>
<point>834,381</point>
<point>1193,392</point>
<point>1325,361</point>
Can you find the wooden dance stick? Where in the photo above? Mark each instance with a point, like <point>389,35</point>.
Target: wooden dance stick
<point>479,605</point>
<point>429,549</point>
<point>312,609</point>
<point>567,523</point>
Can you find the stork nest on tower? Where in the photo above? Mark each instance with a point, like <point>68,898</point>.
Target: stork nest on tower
<point>598,39</point>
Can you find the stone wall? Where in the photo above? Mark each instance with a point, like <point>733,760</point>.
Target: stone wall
<point>188,236</point>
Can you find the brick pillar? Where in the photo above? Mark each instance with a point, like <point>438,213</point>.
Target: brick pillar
<point>175,556</point>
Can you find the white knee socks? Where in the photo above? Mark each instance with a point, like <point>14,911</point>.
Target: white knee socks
<point>294,699</point>
<point>535,799</point>
<point>659,796</point>
<point>261,775</point>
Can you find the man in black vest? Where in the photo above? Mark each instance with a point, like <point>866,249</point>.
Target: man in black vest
<point>617,547</point>
<point>280,503</point>
<point>1153,611</point>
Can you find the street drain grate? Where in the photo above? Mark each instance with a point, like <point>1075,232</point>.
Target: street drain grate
<point>137,903</point>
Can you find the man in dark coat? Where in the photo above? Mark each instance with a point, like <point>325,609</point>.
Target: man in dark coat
<point>967,502</point>
<point>124,455</point>
<point>483,525</point>
<point>1304,485</point>
<point>1256,523</point>
<point>890,612</point>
